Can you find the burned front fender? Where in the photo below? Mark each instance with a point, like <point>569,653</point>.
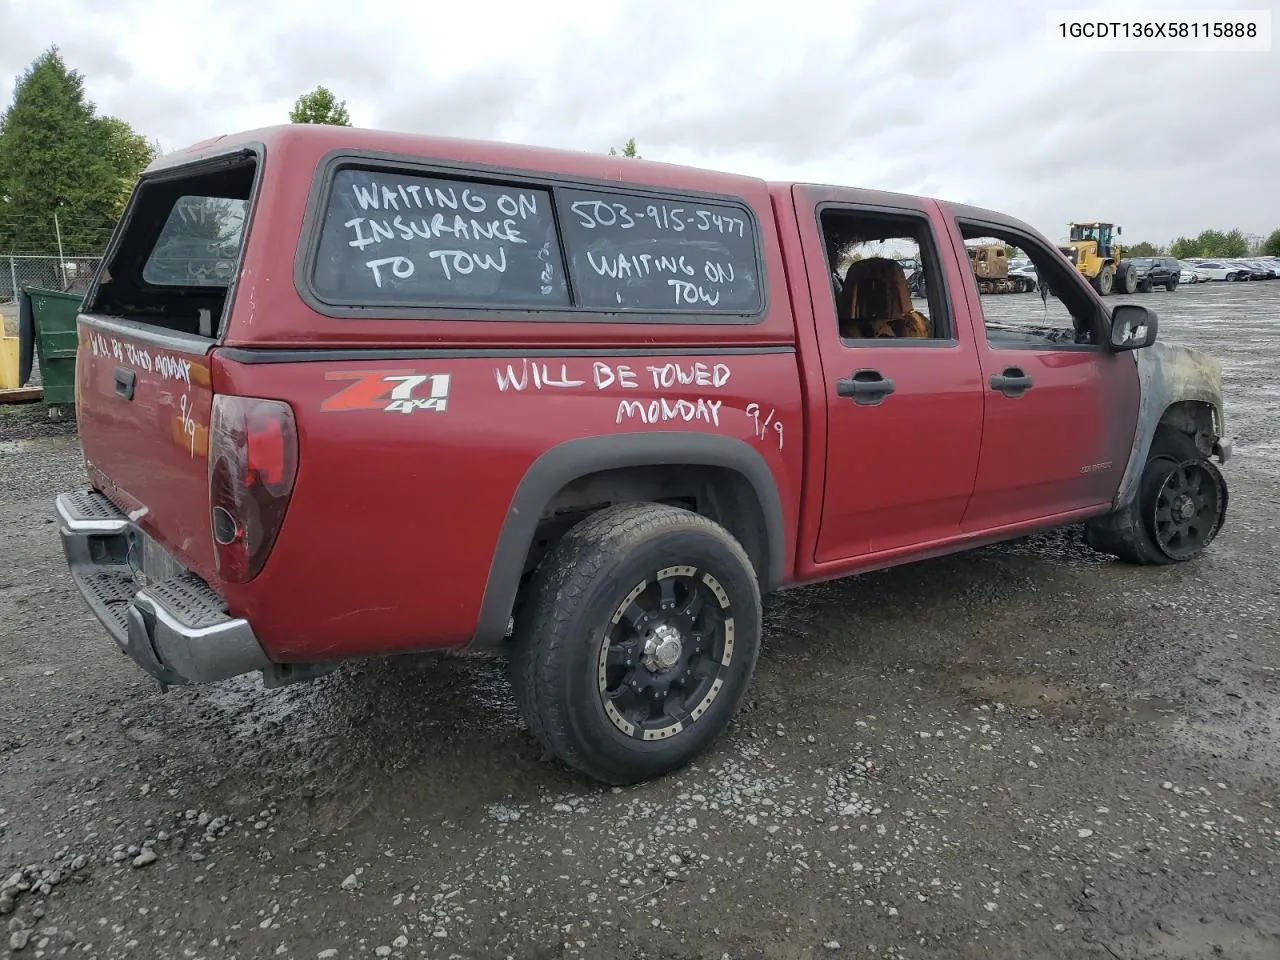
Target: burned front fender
<point>1181,388</point>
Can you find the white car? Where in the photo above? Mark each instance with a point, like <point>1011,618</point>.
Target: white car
<point>1188,274</point>
<point>1024,268</point>
<point>1217,270</point>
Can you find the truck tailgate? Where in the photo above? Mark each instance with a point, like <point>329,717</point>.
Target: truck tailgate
<point>143,399</point>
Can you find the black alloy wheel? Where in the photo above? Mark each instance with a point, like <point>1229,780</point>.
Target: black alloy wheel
<point>1186,508</point>
<point>669,647</point>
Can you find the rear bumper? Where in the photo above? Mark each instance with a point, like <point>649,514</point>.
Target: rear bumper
<point>176,627</point>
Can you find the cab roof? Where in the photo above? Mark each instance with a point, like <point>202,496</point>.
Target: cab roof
<point>319,139</point>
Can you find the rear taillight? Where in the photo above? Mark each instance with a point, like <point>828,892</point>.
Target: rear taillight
<point>253,460</point>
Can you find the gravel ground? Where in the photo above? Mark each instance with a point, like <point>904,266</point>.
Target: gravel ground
<point>1022,751</point>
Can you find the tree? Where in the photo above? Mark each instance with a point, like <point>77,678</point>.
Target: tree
<point>1144,249</point>
<point>1271,246</point>
<point>1235,245</point>
<point>59,158</point>
<point>320,106</point>
<point>628,150</point>
<point>130,153</point>
<point>1211,243</point>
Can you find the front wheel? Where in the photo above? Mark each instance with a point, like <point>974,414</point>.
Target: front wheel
<point>639,641</point>
<point>1179,508</point>
<point>1105,280</point>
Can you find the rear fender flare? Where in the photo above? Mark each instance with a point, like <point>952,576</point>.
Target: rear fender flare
<point>569,461</point>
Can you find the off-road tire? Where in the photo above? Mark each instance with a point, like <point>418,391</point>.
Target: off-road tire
<point>558,650</point>
<point>1104,282</point>
<point>1126,279</point>
<point>1128,534</point>
<point>1172,285</point>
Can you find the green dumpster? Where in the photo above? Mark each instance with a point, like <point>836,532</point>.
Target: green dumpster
<point>47,328</point>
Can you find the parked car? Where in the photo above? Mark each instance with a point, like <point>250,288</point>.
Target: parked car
<point>1156,272</point>
<point>1262,270</point>
<point>1250,268</point>
<point>474,396</point>
<point>914,271</point>
<point>1188,274</point>
<point>1219,270</point>
<point>1024,268</point>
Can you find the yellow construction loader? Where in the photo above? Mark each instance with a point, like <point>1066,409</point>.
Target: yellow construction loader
<point>1099,258</point>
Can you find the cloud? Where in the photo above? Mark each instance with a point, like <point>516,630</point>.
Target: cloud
<point>931,96</point>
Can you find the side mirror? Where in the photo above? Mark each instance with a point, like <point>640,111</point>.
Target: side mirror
<point>1133,327</point>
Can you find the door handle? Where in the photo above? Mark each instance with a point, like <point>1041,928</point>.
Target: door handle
<point>1012,382</point>
<point>866,387</point>
<point>124,382</point>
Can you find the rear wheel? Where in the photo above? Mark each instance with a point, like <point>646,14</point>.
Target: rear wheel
<point>1178,511</point>
<point>1172,285</point>
<point>640,638</point>
<point>1126,279</point>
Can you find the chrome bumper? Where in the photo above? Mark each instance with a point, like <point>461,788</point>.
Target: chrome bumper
<point>177,628</point>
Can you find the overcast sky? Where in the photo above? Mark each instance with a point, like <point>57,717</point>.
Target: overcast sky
<point>959,100</point>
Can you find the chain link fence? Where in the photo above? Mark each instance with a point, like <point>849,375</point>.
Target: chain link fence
<point>46,272</point>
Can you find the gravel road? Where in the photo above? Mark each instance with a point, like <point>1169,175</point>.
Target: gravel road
<point>1023,751</point>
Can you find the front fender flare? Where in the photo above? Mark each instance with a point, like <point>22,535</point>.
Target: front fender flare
<point>568,461</point>
<point>1167,375</point>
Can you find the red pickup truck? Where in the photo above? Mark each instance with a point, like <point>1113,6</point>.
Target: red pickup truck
<point>346,393</point>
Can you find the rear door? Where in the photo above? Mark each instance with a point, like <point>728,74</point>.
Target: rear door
<point>904,416</point>
<point>143,385</point>
<point>1060,408</point>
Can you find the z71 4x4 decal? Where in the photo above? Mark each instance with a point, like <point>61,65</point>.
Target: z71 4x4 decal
<point>393,391</point>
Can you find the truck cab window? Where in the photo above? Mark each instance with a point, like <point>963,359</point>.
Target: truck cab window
<point>1030,294</point>
<point>881,266</point>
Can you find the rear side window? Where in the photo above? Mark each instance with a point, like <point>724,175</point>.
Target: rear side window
<point>392,238</point>
<point>630,252</point>
<point>395,238</point>
<point>199,243</point>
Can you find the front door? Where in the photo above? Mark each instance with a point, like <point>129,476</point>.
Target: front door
<point>904,415</point>
<point>1060,408</point>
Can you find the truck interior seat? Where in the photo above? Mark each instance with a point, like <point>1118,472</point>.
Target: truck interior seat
<point>875,302</point>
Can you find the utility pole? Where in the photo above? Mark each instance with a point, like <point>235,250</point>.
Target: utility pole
<point>62,260</point>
